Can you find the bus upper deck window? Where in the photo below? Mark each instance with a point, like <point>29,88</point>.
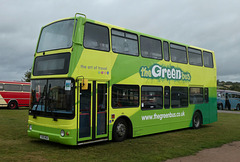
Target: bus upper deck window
<point>96,37</point>
<point>178,53</point>
<point>1,87</point>
<point>208,59</point>
<point>195,57</point>
<point>166,51</point>
<point>151,48</point>
<point>124,42</point>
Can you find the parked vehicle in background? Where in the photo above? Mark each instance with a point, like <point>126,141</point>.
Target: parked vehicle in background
<point>227,99</point>
<point>14,94</point>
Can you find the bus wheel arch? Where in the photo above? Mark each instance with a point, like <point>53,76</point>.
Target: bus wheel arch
<point>13,104</point>
<point>122,129</point>
<point>197,119</point>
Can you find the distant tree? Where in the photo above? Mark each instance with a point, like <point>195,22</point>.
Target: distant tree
<point>235,87</point>
<point>222,82</point>
<point>228,83</point>
<point>27,75</point>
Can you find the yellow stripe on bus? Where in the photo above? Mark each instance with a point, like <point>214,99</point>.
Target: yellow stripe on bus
<point>2,101</point>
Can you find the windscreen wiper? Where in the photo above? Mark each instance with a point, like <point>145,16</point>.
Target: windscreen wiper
<point>52,113</point>
<point>34,114</point>
<point>40,100</point>
<point>49,105</point>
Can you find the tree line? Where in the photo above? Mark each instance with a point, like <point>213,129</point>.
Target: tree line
<point>27,75</point>
<point>235,86</point>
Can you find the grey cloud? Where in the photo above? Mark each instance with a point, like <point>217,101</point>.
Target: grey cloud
<point>212,25</point>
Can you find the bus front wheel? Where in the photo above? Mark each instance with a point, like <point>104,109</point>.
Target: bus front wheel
<point>13,105</point>
<point>120,130</point>
<point>197,120</point>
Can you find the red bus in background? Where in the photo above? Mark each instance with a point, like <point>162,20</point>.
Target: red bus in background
<point>14,94</point>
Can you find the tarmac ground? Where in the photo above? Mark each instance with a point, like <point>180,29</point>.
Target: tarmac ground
<point>226,153</point>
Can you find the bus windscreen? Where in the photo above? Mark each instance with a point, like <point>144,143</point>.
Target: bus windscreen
<point>56,36</point>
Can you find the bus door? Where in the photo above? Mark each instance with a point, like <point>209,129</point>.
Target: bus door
<point>93,112</point>
<point>233,101</point>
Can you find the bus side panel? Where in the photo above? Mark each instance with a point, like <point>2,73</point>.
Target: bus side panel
<point>209,109</point>
<point>21,97</point>
<point>156,121</point>
<point>221,100</point>
<point>2,100</point>
<point>233,102</point>
<point>159,120</point>
<point>212,105</point>
<point>24,99</point>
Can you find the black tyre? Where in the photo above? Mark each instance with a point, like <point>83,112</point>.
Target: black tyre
<point>197,120</point>
<point>120,130</point>
<point>220,107</point>
<point>238,107</point>
<point>13,105</point>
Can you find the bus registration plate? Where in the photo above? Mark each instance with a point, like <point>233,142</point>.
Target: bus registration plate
<point>44,137</point>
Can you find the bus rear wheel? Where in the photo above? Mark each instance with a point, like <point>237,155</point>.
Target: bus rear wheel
<point>120,130</point>
<point>13,105</point>
<point>197,120</point>
<point>220,106</point>
<point>238,107</point>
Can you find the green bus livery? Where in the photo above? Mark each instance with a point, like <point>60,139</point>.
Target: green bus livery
<point>92,82</point>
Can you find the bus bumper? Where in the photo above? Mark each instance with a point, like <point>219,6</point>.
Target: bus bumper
<point>67,137</point>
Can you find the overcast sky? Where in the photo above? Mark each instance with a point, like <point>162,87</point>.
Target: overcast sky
<point>210,24</point>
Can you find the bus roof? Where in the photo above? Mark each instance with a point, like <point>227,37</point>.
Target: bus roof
<point>228,91</point>
<point>129,30</point>
<point>15,82</point>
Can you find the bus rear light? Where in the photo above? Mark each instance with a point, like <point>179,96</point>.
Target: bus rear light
<point>67,133</point>
<point>113,116</point>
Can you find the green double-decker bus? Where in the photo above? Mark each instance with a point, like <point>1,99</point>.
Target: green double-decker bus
<point>92,82</point>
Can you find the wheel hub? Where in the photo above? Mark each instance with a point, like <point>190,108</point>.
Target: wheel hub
<point>196,121</point>
<point>121,129</point>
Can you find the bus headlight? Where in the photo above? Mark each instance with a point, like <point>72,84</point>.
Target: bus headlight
<point>30,127</point>
<point>62,133</point>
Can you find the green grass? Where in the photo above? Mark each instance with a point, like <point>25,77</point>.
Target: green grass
<point>15,145</point>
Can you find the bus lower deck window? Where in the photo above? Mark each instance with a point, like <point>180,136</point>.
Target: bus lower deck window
<point>196,95</point>
<point>206,95</point>
<point>167,97</point>
<point>179,97</point>
<point>125,96</point>
<point>152,97</point>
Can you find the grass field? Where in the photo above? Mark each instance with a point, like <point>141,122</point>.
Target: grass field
<point>15,145</point>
